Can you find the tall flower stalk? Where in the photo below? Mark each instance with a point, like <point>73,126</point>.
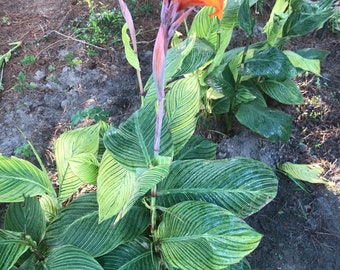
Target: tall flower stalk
<point>173,13</point>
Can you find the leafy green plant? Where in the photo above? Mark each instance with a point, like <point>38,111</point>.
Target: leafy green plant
<point>24,151</point>
<point>162,201</point>
<point>242,82</point>
<point>71,60</point>
<point>27,60</point>
<point>4,58</point>
<point>101,26</point>
<point>95,113</point>
<point>5,20</point>
<point>22,84</point>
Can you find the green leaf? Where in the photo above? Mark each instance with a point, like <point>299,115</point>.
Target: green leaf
<point>273,25</point>
<point>114,187</point>
<point>182,105</point>
<point>272,124</point>
<point>204,26</point>
<point>200,235</point>
<point>119,189</point>
<point>67,147</point>
<point>305,172</point>
<point>243,95</point>
<point>70,258</point>
<point>312,65</point>
<point>286,92</point>
<point>270,63</point>
<point>19,179</point>
<point>49,206</point>
<point>245,20</point>
<point>132,143</point>
<point>130,55</point>
<point>242,265</point>
<point>27,217</point>
<point>197,148</point>
<point>134,255</point>
<point>77,225</point>
<point>12,246</point>
<point>85,167</point>
<point>312,53</point>
<point>311,16</point>
<point>242,186</point>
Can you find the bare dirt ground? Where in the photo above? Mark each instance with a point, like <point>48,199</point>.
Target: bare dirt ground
<point>301,229</point>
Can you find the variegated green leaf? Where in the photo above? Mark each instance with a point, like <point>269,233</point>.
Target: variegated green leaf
<point>200,235</point>
<point>49,205</point>
<point>67,147</point>
<point>12,246</point>
<point>27,217</point>
<point>19,179</point>
<point>137,254</point>
<point>286,92</point>
<point>70,258</point>
<point>182,106</point>
<point>132,143</point>
<point>85,167</point>
<point>114,187</point>
<point>240,185</point>
<point>197,148</point>
<point>77,225</point>
<point>312,65</point>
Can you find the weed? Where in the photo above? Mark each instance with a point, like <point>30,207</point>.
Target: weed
<point>22,84</point>
<point>71,60</point>
<point>51,68</point>
<point>95,113</point>
<point>27,60</point>
<point>5,20</point>
<point>24,151</point>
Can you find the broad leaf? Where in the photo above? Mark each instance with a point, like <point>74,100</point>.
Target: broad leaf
<point>12,246</point>
<point>204,26</point>
<point>200,235</point>
<point>130,55</point>
<point>132,143</point>
<point>272,124</point>
<point>49,206</point>
<point>182,106</point>
<point>242,186</point>
<point>85,167</point>
<point>119,189</point>
<point>312,65</point>
<point>197,148</point>
<point>312,53</point>
<point>114,187</point>
<point>311,16</point>
<point>274,37</point>
<point>67,147</point>
<point>70,258</point>
<point>77,225</point>
<point>19,179</point>
<point>271,63</point>
<point>137,254</point>
<point>245,20</point>
<point>305,172</point>
<point>27,217</point>
<point>279,8</point>
<point>286,92</point>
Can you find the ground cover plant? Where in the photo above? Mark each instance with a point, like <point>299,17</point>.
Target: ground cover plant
<point>175,163</point>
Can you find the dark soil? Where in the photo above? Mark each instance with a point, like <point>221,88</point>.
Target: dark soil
<point>301,229</point>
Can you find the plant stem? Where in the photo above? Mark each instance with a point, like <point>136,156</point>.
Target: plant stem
<point>153,211</point>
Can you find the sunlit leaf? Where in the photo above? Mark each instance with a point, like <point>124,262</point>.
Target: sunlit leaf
<point>200,235</point>
<point>19,179</point>
<point>130,55</point>
<point>240,185</point>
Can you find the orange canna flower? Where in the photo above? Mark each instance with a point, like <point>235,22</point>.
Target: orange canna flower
<point>217,4</point>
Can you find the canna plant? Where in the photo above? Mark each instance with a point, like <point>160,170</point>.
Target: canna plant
<point>161,200</point>
<point>242,82</point>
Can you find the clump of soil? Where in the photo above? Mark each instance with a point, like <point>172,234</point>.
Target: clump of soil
<point>301,229</point>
